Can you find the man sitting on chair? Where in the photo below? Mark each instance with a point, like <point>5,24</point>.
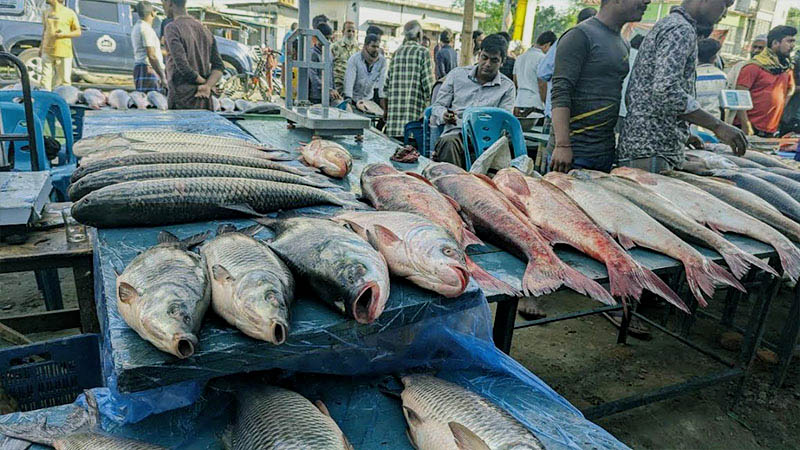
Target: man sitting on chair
<point>481,84</point>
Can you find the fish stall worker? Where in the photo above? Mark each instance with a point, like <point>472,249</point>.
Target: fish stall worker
<point>408,82</point>
<point>591,64</point>
<point>529,99</point>
<point>366,72</point>
<point>60,26</point>
<point>194,62</point>
<point>711,80</point>
<point>446,59</point>
<point>661,94</point>
<point>770,79</point>
<point>480,84</point>
<point>148,68</point>
<point>757,46</point>
<point>342,50</point>
<point>315,75</point>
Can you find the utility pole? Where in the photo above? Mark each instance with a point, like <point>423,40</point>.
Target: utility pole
<point>466,32</point>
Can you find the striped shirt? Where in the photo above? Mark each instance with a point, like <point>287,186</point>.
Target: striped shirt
<point>710,82</point>
<point>408,86</point>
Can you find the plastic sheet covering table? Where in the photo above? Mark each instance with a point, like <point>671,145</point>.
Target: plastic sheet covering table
<point>457,348</point>
<point>188,121</point>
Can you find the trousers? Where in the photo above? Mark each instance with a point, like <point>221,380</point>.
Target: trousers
<point>55,71</point>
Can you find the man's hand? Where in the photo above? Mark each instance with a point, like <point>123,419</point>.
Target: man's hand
<point>561,160</point>
<point>58,33</point>
<point>731,136</point>
<point>335,95</point>
<point>695,142</point>
<point>203,91</point>
<point>449,117</point>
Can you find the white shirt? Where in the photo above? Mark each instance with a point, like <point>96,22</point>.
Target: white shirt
<point>527,80</point>
<point>143,36</point>
<point>623,107</point>
<point>710,82</point>
<point>360,82</point>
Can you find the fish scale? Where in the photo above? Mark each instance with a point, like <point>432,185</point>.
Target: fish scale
<point>437,401</point>
<point>764,189</point>
<point>116,175</point>
<point>786,184</point>
<point>269,417</point>
<point>92,441</point>
<point>163,201</point>
<point>180,158</point>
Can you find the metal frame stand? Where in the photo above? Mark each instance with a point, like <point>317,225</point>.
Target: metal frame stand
<point>766,288</point>
<point>27,102</point>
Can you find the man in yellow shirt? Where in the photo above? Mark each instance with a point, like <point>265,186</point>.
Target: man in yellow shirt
<point>60,26</point>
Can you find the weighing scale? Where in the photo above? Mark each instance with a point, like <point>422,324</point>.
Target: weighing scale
<point>323,120</point>
<point>734,100</point>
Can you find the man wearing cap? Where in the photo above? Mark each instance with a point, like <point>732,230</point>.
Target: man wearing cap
<point>758,46</point>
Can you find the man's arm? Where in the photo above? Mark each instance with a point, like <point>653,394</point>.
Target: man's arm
<point>507,100</point>
<point>206,86</point>
<point>744,119</point>
<point>74,28</point>
<point>382,79</point>
<point>545,69</point>
<point>184,73</point>
<point>152,56</point>
<point>427,75</point>
<point>444,100</point>
<point>542,89</point>
<point>574,49</point>
<point>350,78</point>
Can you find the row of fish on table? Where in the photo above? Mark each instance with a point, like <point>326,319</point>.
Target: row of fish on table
<point>440,415</point>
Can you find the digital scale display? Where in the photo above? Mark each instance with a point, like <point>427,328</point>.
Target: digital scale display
<point>736,100</point>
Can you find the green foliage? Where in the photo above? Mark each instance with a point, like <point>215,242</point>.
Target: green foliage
<point>553,20</point>
<point>793,19</point>
<point>493,10</point>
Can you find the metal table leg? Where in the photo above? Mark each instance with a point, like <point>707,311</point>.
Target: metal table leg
<point>788,339</point>
<point>47,279</point>
<point>505,316</point>
<point>84,287</point>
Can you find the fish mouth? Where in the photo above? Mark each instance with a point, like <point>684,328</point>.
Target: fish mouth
<point>463,276</point>
<point>367,302</point>
<point>279,332</point>
<point>183,345</point>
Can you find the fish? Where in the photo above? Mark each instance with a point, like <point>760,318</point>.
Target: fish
<point>93,98</point>
<point>388,189</point>
<point>328,156</point>
<point>414,248</point>
<point>251,288</point>
<point>69,93</point>
<point>764,189</point>
<point>172,147</point>
<point>77,433</point>
<point>119,99</point>
<point>215,103</point>
<point>158,100</point>
<point>445,416</point>
<point>765,160</point>
<point>788,173</point>
<point>180,158</point>
<point>638,216</point>
<point>561,220</point>
<point>271,417</point>
<point>701,161</point>
<point>370,107</point>
<point>226,104</point>
<point>183,200</point>
<point>717,215</point>
<point>116,175</point>
<point>126,139</point>
<point>745,201</point>
<point>743,163</point>
<point>494,215</point>
<point>786,184</point>
<point>243,105</point>
<point>163,294</point>
<point>340,267</point>
<point>139,99</point>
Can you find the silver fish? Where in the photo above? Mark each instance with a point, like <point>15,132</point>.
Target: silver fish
<point>700,161</point>
<point>743,163</point>
<point>68,93</point>
<point>765,160</point>
<point>251,288</point>
<point>444,416</point>
<point>116,175</point>
<point>788,173</point>
<point>339,266</point>
<point>119,99</point>
<point>163,295</point>
<point>126,139</point>
<point>215,106</point>
<point>158,100</point>
<point>786,184</point>
<point>328,156</point>
<point>764,189</point>
<point>182,200</point>
<point>226,104</point>
<point>93,98</point>
<point>270,417</point>
<point>243,105</point>
<point>139,99</point>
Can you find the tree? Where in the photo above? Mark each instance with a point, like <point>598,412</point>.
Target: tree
<point>493,10</point>
<point>793,18</point>
<point>551,19</point>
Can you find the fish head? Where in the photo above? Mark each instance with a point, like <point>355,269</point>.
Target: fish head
<point>436,170</point>
<point>263,307</point>
<point>432,259</point>
<point>168,320</point>
<point>336,161</point>
<point>366,282</point>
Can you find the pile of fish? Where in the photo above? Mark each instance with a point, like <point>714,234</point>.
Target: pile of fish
<point>117,98</point>
<point>149,177</point>
<point>439,414</point>
<point>229,105</point>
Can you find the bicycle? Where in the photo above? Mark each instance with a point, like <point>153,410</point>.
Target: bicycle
<point>261,81</point>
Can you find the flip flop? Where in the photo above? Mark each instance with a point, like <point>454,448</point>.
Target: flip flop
<point>636,329</point>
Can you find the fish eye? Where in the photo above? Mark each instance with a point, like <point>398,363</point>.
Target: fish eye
<point>449,251</point>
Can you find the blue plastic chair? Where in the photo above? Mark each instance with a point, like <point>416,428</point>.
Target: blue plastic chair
<point>49,106</point>
<point>481,127</point>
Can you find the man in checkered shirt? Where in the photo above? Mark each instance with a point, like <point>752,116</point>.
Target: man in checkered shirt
<point>409,82</point>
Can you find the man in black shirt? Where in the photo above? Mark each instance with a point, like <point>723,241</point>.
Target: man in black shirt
<point>446,59</point>
<point>591,64</point>
<point>508,65</point>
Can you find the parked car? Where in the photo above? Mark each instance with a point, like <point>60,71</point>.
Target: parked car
<point>104,46</point>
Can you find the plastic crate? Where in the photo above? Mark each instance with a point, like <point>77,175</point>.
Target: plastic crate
<point>50,373</point>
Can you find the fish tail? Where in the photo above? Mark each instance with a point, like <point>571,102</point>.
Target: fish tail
<point>701,282</point>
<point>656,285</point>
<point>487,282</point>
<point>738,261</point>
<point>790,260</point>
<point>541,278</point>
<point>579,282</point>
<point>469,238</point>
<point>722,276</point>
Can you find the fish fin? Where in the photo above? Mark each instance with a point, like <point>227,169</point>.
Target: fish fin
<point>579,282</point>
<point>419,177</point>
<point>92,408</point>
<point>226,437</point>
<point>626,242</point>
<point>252,230</point>
<point>411,439</point>
<point>465,438</point>
<point>346,443</point>
<point>488,282</point>
<point>516,183</point>
<point>790,259</point>
<point>542,278</point>
<point>322,408</point>
<point>412,417</point>
<point>268,222</point>
<point>382,237</point>
<point>357,229</point>
<point>221,274</point>
<point>244,209</point>
<point>194,240</point>
<point>518,204</point>
<point>469,238</point>
<point>486,179</point>
<point>656,285</point>
<point>127,293</point>
<point>165,237</point>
